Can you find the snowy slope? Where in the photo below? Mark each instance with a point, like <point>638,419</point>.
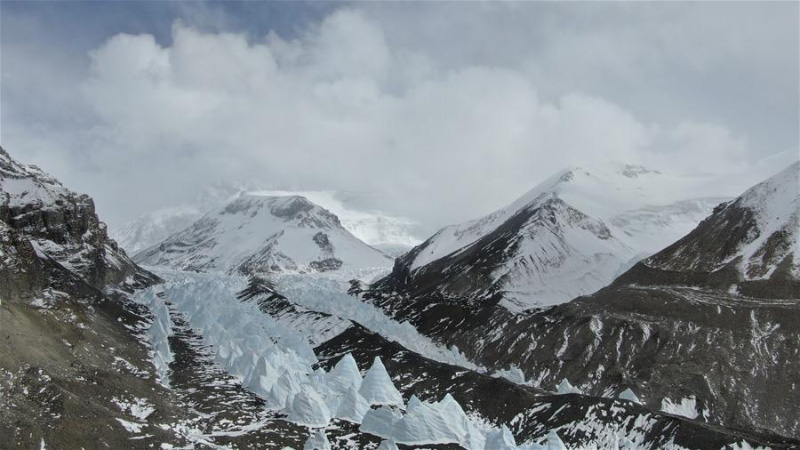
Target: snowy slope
<point>775,204</point>
<point>569,236</point>
<point>376,228</point>
<point>633,200</point>
<point>259,234</point>
<point>158,225</point>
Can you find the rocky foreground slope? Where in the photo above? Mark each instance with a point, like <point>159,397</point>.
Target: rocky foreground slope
<point>71,364</point>
<point>714,338</point>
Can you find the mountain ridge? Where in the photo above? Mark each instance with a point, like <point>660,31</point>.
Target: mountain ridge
<point>570,235</point>
<point>262,234</point>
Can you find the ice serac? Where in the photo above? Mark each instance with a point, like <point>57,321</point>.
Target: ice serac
<point>284,390</point>
<point>317,441</point>
<point>500,439</point>
<point>309,409</point>
<point>352,406</point>
<point>566,388</point>
<point>628,394</point>
<point>748,245</point>
<point>388,445</point>
<point>444,422</point>
<point>554,442</point>
<point>569,236</point>
<point>254,234</point>
<point>344,375</point>
<point>377,387</point>
<point>381,421</point>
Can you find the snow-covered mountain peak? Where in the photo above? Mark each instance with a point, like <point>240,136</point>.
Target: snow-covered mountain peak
<point>776,200</point>
<point>290,209</point>
<point>569,236</point>
<point>393,235</point>
<point>264,234</point>
<point>775,204</point>
<point>644,208</point>
<point>606,191</point>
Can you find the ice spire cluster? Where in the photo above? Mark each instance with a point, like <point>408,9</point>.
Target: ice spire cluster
<point>276,363</point>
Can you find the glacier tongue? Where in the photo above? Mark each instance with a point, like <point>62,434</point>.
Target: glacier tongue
<point>254,347</point>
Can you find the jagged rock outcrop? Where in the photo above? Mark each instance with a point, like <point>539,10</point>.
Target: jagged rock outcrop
<point>69,342</point>
<point>38,213</point>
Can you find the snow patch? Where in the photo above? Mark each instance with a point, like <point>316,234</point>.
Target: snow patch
<point>686,407</point>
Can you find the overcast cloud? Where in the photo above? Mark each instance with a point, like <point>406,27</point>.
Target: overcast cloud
<point>439,112</point>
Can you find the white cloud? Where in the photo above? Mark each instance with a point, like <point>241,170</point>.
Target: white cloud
<point>342,106</point>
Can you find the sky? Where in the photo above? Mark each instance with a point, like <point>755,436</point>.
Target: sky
<point>435,111</point>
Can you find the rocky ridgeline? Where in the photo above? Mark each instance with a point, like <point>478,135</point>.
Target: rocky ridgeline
<point>41,220</point>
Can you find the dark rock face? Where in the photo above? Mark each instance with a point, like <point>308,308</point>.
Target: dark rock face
<point>307,214</point>
<point>324,243</point>
<point>62,225</point>
<point>21,272</point>
<point>707,257</point>
<point>747,245</point>
<point>530,413</point>
<point>737,357</point>
<point>326,264</point>
<point>69,345</point>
